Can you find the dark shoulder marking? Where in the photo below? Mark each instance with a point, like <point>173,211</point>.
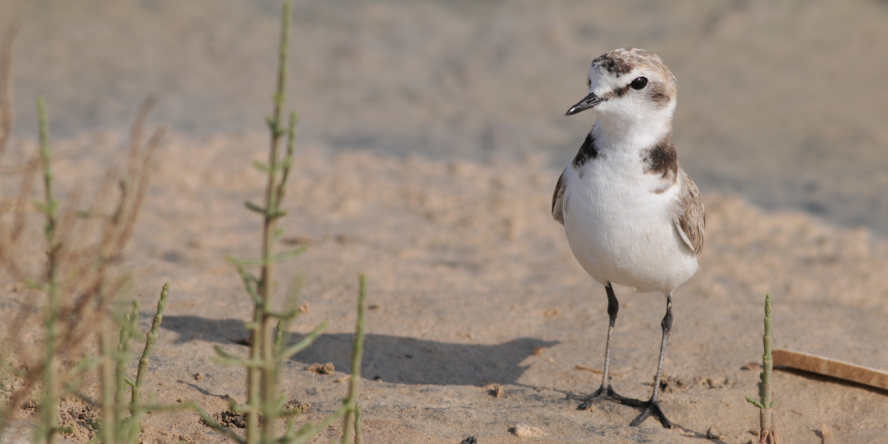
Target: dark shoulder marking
<point>662,158</point>
<point>557,207</point>
<point>587,151</point>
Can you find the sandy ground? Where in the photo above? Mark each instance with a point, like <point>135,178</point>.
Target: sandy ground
<point>427,161</point>
<point>474,284</point>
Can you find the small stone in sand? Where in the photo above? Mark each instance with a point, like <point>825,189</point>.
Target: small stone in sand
<point>673,384</point>
<point>229,419</point>
<point>526,431</point>
<point>321,369</point>
<point>715,433</point>
<point>711,383</point>
<point>469,440</point>
<point>198,376</point>
<point>752,366</point>
<point>539,350</point>
<point>827,434</point>
<point>296,407</point>
<point>495,390</point>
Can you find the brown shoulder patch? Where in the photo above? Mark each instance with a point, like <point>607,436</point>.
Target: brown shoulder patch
<point>557,206</point>
<point>690,216</point>
<point>661,159</point>
<point>587,151</point>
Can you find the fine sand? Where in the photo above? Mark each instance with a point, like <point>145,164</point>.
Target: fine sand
<point>432,135</point>
<point>473,283</point>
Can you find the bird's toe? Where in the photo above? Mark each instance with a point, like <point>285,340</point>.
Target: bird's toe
<point>653,409</point>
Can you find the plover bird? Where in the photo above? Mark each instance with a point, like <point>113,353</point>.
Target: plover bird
<point>632,216</point>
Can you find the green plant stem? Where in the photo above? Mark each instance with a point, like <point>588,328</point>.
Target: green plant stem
<point>150,339</point>
<point>767,368</point>
<point>351,417</point>
<point>51,397</point>
<point>288,158</point>
<point>278,338</point>
<point>766,404</point>
<point>359,439</point>
<point>120,359</point>
<point>107,377</point>
<point>264,379</point>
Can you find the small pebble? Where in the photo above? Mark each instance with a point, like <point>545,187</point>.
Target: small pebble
<point>752,366</point>
<point>715,433</point>
<point>321,369</point>
<point>827,434</point>
<point>527,431</point>
<point>495,390</point>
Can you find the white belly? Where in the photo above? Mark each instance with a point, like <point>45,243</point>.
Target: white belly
<point>623,233</point>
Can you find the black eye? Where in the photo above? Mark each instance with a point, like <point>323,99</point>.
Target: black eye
<point>639,83</point>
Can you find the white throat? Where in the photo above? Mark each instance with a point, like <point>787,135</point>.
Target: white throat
<point>631,131</point>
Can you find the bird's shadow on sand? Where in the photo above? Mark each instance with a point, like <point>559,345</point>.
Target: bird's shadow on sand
<point>401,360</point>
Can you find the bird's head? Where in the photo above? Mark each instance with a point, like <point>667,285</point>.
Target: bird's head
<point>628,87</point>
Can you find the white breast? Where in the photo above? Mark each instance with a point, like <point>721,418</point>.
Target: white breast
<point>619,230</point>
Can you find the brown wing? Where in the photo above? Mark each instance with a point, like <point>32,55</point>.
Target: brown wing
<point>557,206</point>
<point>690,217</point>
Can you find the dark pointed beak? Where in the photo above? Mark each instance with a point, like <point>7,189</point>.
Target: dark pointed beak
<point>588,102</point>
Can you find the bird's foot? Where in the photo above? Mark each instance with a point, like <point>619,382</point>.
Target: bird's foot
<point>653,408</point>
<point>605,393</point>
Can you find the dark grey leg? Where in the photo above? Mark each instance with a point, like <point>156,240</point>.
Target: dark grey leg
<point>606,391</point>
<point>613,306</point>
<point>653,406</point>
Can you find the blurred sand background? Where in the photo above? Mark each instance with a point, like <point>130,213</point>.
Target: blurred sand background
<point>431,137</point>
